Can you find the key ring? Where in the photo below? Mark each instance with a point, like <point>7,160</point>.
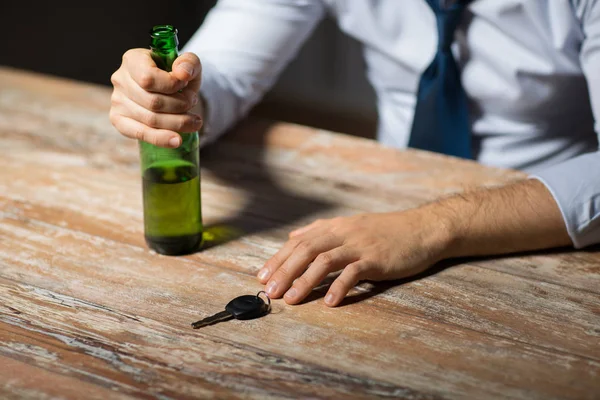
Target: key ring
<point>267,296</point>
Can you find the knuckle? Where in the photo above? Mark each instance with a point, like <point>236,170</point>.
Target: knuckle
<point>190,101</point>
<point>330,236</point>
<point>273,262</point>
<point>184,123</point>
<point>304,247</point>
<point>153,139</point>
<point>339,226</point>
<point>155,103</point>
<point>339,286</point>
<point>113,117</point>
<point>114,78</point>
<point>282,274</point>
<point>127,55</point>
<point>150,119</point>
<point>198,123</point>
<point>181,106</point>
<point>324,259</point>
<point>146,80</point>
<point>115,98</point>
<point>374,245</point>
<point>351,270</point>
<point>294,243</point>
<point>139,134</point>
<point>302,282</point>
<point>355,270</point>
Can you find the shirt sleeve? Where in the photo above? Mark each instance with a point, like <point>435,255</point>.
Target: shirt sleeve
<point>243,46</point>
<point>575,184</point>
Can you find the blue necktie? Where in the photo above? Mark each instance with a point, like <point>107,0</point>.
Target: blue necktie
<point>441,121</point>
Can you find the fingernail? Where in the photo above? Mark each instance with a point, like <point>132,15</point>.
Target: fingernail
<point>194,100</point>
<point>292,293</point>
<point>187,67</point>
<point>329,299</point>
<point>263,274</point>
<point>271,287</point>
<point>174,142</point>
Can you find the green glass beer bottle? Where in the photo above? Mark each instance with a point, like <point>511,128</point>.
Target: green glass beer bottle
<point>171,177</point>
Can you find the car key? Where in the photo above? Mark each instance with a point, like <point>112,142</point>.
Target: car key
<point>242,307</point>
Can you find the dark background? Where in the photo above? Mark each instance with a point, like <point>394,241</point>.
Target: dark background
<point>85,40</point>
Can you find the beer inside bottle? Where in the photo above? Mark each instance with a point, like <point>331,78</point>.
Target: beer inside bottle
<point>171,177</point>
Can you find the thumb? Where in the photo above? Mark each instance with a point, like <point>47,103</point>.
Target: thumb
<point>187,68</point>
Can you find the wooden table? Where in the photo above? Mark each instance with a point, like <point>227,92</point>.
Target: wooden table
<point>87,311</point>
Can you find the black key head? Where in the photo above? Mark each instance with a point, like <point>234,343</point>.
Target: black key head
<point>248,307</point>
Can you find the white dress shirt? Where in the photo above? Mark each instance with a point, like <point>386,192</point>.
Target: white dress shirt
<point>530,68</point>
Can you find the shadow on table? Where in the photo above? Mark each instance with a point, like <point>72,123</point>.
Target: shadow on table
<point>382,287</point>
<point>376,287</point>
<point>239,161</point>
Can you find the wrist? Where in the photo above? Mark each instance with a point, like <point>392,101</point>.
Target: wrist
<point>518,217</point>
<point>441,231</point>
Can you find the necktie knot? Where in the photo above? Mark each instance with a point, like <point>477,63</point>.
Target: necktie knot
<point>448,18</point>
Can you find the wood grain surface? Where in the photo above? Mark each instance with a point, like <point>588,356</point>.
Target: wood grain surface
<point>87,311</point>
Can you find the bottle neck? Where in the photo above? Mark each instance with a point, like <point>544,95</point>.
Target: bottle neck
<point>163,44</point>
<point>163,59</point>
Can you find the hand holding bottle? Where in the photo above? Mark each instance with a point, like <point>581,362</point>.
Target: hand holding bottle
<point>151,104</point>
<point>154,92</point>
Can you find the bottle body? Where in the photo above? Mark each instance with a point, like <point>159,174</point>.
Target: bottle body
<point>171,177</point>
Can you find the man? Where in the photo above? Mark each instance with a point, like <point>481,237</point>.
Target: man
<point>526,67</point>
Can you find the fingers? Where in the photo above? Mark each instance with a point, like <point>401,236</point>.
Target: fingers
<point>152,105</point>
<point>187,68</point>
<point>176,103</point>
<point>350,276</point>
<point>186,122</point>
<point>324,264</point>
<point>295,256</point>
<point>280,257</point>
<point>142,69</point>
<point>136,130</point>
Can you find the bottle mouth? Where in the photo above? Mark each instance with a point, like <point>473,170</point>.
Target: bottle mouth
<point>162,31</point>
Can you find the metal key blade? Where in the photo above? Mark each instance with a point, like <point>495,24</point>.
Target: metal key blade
<point>222,316</point>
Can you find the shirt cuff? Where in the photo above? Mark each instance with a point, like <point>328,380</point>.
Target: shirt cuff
<point>575,186</point>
